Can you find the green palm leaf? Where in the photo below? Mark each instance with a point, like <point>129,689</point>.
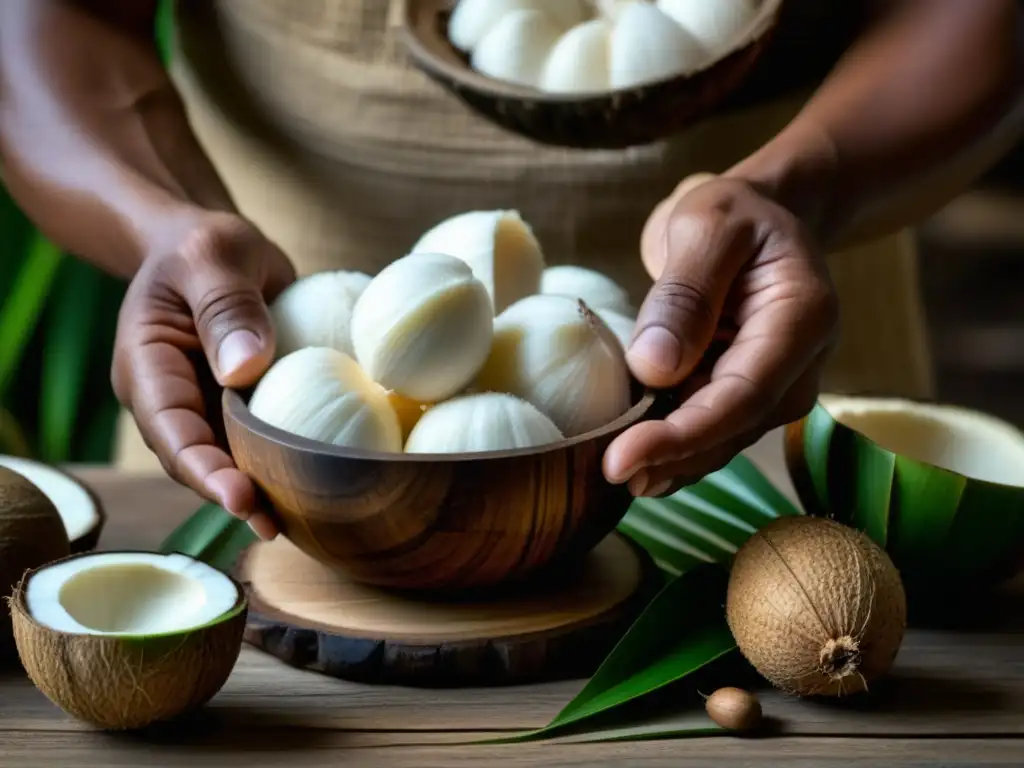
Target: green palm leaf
<point>24,305</point>
<point>706,522</point>
<point>210,535</point>
<point>70,339</point>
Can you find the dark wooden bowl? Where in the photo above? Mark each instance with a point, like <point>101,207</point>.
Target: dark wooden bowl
<point>440,522</point>
<point>610,120</point>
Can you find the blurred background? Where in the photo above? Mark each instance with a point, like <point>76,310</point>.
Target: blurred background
<point>58,316</point>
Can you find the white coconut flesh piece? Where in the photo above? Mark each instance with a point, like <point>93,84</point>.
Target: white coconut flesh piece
<point>129,593</point>
<point>74,503</point>
<point>971,444</point>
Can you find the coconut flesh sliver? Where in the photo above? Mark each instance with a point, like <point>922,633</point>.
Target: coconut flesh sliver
<point>129,593</point>
<point>73,502</point>
<point>970,444</point>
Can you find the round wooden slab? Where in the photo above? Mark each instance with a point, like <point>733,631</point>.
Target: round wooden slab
<point>314,618</point>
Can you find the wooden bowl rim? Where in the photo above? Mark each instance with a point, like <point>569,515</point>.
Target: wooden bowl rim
<point>418,13</point>
<point>235,408</point>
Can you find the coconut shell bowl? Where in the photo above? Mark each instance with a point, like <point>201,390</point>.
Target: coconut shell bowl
<point>613,118</point>
<point>436,523</point>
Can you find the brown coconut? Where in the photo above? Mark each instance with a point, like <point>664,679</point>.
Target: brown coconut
<point>816,607</point>
<point>32,534</point>
<point>123,682</point>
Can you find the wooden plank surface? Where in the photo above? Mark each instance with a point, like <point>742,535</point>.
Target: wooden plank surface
<point>965,686</point>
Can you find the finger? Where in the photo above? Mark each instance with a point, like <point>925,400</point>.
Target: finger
<point>773,350</point>
<point>652,252</point>
<point>665,479</point>
<point>168,405</point>
<point>232,321</point>
<point>705,246</point>
<point>668,478</point>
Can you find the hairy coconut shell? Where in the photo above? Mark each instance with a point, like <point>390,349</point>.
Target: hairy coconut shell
<point>816,607</point>
<point>32,534</point>
<point>128,682</point>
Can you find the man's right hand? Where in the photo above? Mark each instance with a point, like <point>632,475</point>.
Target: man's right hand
<point>195,320</point>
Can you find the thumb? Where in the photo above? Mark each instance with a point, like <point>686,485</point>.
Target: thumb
<point>652,252</point>
<point>233,323</point>
<point>704,253</point>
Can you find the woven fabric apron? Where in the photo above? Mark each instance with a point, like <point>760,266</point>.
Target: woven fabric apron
<point>343,154</point>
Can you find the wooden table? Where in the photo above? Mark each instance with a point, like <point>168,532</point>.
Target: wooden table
<point>956,698</point>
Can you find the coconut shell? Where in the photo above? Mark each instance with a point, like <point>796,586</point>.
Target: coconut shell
<point>816,607</point>
<point>616,119</point>
<point>125,683</point>
<point>32,534</point>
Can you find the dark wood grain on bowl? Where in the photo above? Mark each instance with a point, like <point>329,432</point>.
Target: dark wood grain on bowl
<point>313,618</point>
<point>435,522</point>
<point>612,120</point>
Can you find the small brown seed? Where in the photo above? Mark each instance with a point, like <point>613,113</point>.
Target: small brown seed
<point>734,709</point>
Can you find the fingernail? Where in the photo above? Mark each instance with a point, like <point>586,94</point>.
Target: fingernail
<point>238,348</point>
<point>658,489</point>
<point>638,483</point>
<point>659,348</point>
<point>262,526</point>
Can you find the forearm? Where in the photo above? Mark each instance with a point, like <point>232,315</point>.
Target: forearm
<point>918,108</point>
<point>94,140</point>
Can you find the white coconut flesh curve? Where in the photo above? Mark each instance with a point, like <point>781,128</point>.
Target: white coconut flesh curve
<point>129,593</point>
<point>974,445</point>
<point>74,503</point>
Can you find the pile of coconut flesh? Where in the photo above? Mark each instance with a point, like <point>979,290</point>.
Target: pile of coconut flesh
<point>589,47</point>
<point>469,343</point>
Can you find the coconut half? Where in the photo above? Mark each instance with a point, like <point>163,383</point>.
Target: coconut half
<point>79,508</point>
<point>121,640</point>
<point>941,487</point>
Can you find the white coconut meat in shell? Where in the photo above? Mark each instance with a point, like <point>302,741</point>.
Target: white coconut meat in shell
<point>129,593</point>
<point>83,518</point>
<point>969,443</point>
<point>121,640</point>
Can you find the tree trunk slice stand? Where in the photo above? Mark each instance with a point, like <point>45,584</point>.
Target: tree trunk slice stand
<point>559,627</point>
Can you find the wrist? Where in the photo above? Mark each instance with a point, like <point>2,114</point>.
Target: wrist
<point>798,170</point>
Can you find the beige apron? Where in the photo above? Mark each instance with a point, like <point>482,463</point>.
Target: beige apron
<point>343,154</point>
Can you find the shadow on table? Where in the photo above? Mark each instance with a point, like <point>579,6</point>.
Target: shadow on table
<point>998,609</point>
<point>227,728</point>
<point>918,694</point>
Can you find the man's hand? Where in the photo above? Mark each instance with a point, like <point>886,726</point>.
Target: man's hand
<point>727,263</point>
<point>195,320</point>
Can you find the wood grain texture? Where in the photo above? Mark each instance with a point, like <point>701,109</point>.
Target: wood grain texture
<point>332,750</point>
<point>311,617</point>
<point>612,120</point>
<point>955,698</point>
<point>435,523</point>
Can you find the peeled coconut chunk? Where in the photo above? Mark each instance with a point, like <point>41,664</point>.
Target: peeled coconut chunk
<point>620,325</point>
<point>940,487</point>
<point>83,518</point>
<point>498,246</point>
<point>579,61</point>
<point>316,311</point>
<point>481,422</point>
<point>125,639</point>
<point>516,48</point>
<point>471,20</point>
<point>598,291</point>
<point>647,46</point>
<point>717,24</point>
